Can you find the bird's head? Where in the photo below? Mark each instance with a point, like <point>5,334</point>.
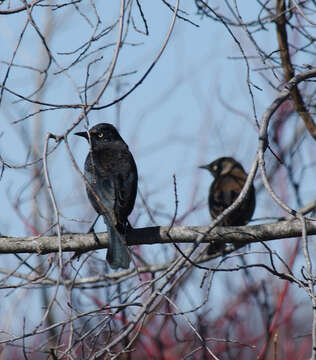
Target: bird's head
<point>100,135</point>
<point>222,166</point>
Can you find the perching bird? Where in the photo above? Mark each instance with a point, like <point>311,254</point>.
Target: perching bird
<point>111,172</point>
<point>229,179</point>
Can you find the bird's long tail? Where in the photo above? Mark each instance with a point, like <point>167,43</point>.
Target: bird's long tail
<point>117,255</point>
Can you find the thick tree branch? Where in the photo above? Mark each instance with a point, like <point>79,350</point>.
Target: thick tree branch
<point>288,68</point>
<point>159,234</point>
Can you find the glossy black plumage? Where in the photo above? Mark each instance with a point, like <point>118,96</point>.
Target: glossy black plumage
<point>111,172</point>
<point>229,179</point>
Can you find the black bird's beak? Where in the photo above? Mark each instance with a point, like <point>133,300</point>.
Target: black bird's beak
<point>204,167</point>
<point>83,134</point>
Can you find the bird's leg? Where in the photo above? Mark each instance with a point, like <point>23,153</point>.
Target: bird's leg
<point>77,254</point>
<point>129,226</point>
<point>91,230</point>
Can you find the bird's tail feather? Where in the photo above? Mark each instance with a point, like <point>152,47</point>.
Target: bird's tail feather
<point>117,255</point>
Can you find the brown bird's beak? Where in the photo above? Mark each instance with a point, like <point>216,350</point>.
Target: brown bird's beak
<point>83,134</point>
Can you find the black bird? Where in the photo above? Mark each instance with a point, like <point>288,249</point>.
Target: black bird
<point>111,172</point>
<point>229,179</point>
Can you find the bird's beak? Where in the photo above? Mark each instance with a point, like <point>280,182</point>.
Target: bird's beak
<point>203,167</point>
<point>83,134</point>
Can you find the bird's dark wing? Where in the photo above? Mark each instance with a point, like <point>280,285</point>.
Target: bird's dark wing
<point>224,191</point>
<point>248,205</point>
<point>116,178</point>
<point>125,185</point>
<point>104,198</point>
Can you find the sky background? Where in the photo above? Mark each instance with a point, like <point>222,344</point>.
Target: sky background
<point>176,120</point>
<point>192,108</point>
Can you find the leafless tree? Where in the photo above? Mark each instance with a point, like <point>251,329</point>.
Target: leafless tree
<point>65,64</point>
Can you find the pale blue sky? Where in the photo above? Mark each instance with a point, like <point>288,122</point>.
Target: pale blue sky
<point>173,122</point>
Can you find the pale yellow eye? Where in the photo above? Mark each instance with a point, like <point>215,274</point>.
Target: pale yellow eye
<point>215,167</point>
<point>100,135</point>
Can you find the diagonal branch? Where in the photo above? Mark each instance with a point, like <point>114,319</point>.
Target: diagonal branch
<point>288,69</point>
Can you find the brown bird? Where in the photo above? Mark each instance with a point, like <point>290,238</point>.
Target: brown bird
<point>229,179</point>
